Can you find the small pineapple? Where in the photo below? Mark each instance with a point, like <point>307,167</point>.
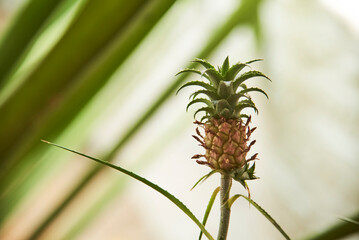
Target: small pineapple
<point>226,129</point>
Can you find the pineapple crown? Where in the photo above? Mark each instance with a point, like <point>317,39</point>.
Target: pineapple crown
<point>227,93</point>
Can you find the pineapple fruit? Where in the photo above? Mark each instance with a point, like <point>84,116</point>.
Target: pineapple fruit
<point>226,137</point>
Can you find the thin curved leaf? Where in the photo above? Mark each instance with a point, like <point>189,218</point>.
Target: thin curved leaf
<point>155,187</point>
<point>198,100</point>
<point>247,75</point>
<point>243,86</point>
<point>205,109</point>
<point>204,117</point>
<point>243,116</point>
<point>197,83</point>
<point>204,178</point>
<point>192,70</point>
<point>261,210</point>
<point>208,209</point>
<point>242,106</point>
<point>203,62</point>
<point>254,60</point>
<point>247,90</point>
<point>210,94</point>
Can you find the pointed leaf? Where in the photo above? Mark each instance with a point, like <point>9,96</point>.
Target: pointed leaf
<point>208,209</point>
<point>254,90</point>
<point>155,187</point>
<point>225,66</point>
<point>254,60</point>
<point>243,116</point>
<point>251,169</point>
<point>233,71</point>
<point>261,210</point>
<point>242,106</point>
<point>204,178</point>
<point>204,117</point>
<point>210,94</point>
<point>214,76</point>
<point>247,75</point>
<point>208,110</point>
<point>191,70</point>
<point>197,83</point>
<point>198,100</point>
<point>243,86</point>
<point>204,63</point>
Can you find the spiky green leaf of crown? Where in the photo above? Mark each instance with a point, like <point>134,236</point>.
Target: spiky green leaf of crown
<point>227,93</point>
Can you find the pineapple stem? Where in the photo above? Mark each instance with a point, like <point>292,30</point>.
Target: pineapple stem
<point>226,183</point>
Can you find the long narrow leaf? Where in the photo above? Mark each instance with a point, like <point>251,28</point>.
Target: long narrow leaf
<point>203,178</point>
<point>191,70</point>
<point>253,90</point>
<point>205,109</point>
<point>242,106</point>
<point>197,83</point>
<point>261,210</point>
<point>155,187</point>
<point>254,60</point>
<point>200,100</point>
<point>212,95</point>
<point>208,209</point>
<point>204,63</point>
<point>247,75</point>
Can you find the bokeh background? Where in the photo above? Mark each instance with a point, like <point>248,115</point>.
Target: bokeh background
<point>98,77</point>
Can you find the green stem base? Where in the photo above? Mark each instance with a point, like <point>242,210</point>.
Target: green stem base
<point>226,183</point>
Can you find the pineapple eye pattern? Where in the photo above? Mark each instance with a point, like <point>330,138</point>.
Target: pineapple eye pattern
<point>226,137</point>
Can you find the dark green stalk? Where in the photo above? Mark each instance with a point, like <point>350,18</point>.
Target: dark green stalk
<point>226,183</point>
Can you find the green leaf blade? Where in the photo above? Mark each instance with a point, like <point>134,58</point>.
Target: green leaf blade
<point>155,187</point>
<point>200,100</point>
<point>208,209</point>
<point>197,83</point>
<point>247,75</point>
<point>204,63</point>
<point>192,70</point>
<point>247,90</point>
<point>254,60</point>
<point>205,109</point>
<point>204,178</point>
<point>225,66</point>
<point>264,213</point>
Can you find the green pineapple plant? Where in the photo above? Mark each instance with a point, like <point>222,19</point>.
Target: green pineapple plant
<point>226,131</point>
